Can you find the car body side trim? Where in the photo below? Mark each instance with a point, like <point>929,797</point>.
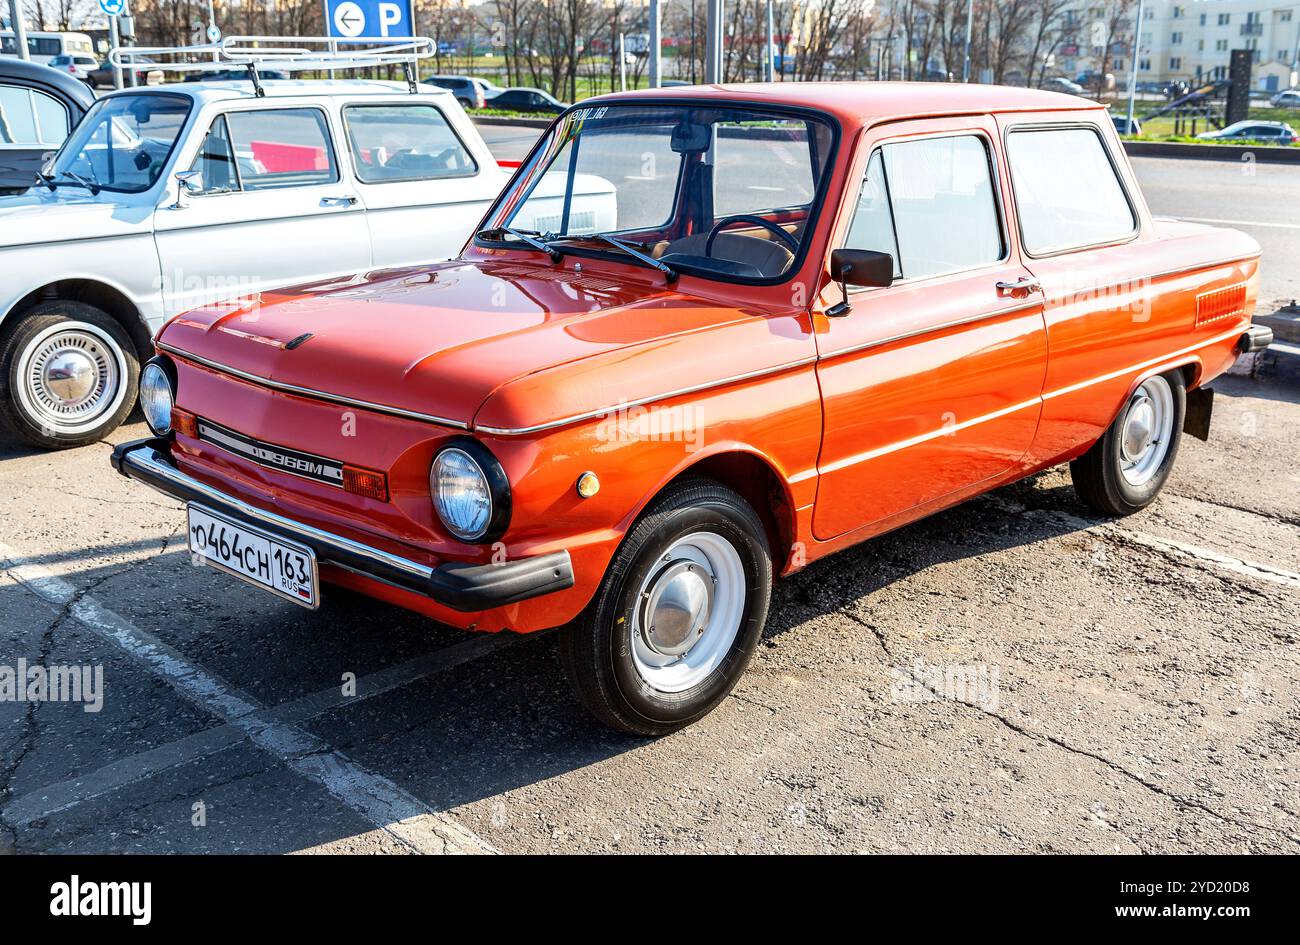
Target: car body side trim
<point>1013,408</point>
<point>668,395</point>
<point>308,391</point>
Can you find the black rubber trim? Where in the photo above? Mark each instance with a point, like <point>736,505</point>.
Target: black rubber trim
<point>1256,338</point>
<point>459,585</point>
<point>1196,417</point>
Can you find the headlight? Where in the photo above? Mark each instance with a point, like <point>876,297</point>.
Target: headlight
<point>157,394</point>
<point>470,491</point>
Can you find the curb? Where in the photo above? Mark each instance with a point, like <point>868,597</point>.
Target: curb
<point>1263,154</point>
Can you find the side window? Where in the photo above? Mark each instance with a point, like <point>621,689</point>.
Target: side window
<point>404,142</point>
<point>31,119</point>
<point>1067,193</point>
<point>930,203</point>
<point>216,160</point>
<point>873,222</point>
<point>281,147</point>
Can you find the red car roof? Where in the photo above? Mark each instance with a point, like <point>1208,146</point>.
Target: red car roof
<point>869,102</point>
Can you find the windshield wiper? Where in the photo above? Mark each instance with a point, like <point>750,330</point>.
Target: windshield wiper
<point>77,179</point>
<point>670,274</point>
<point>526,236</point>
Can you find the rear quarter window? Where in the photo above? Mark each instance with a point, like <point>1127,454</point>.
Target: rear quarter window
<point>1067,193</point>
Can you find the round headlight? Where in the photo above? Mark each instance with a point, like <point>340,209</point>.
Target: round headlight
<point>461,494</point>
<point>156,397</point>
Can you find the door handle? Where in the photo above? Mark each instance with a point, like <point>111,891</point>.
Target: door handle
<point>344,201</point>
<point>1015,289</point>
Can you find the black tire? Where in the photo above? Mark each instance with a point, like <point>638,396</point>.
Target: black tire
<point>20,332</point>
<point>596,650</point>
<point>1097,474</point>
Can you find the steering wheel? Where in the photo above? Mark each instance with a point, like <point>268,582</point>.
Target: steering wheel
<point>790,242</point>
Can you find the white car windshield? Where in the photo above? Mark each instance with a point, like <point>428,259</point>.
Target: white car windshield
<point>716,191</point>
<point>122,144</point>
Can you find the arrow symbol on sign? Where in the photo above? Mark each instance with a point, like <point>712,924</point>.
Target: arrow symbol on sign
<point>349,19</point>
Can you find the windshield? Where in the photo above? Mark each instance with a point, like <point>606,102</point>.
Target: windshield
<point>123,142</point>
<point>720,192</point>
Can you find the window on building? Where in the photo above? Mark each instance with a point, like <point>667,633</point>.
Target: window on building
<point>1176,39</point>
<point>1175,63</point>
<point>1224,18</point>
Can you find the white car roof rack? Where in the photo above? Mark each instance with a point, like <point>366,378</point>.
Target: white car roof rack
<point>279,53</point>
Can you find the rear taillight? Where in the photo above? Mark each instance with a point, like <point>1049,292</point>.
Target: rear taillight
<point>365,482</point>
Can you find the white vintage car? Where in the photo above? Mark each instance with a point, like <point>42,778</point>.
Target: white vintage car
<point>166,198</point>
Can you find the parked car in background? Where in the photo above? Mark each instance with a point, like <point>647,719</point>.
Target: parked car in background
<point>527,100</point>
<point>1127,126</point>
<point>488,88</point>
<point>205,191</point>
<point>38,107</point>
<point>101,77</point>
<point>236,75</point>
<point>1267,132</point>
<point>833,310</point>
<point>1061,84</point>
<point>79,66</point>
<point>1288,99</point>
<point>468,92</point>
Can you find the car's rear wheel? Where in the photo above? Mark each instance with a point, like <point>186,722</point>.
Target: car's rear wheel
<point>1126,469</point>
<point>68,375</point>
<point>678,614</point>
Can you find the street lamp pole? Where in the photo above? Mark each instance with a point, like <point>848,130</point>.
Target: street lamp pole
<point>713,27</point>
<point>1133,73</point>
<point>20,30</point>
<point>970,20</point>
<point>656,41</point>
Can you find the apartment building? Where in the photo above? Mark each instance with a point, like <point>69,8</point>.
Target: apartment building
<point>1186,40</point>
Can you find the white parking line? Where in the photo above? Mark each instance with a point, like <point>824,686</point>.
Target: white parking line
<point>383,803</point>
<point>51,799</point>
<point>1280,226</point>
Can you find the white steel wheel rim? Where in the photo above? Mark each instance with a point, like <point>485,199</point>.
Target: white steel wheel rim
<point>1147,431</point>
<point>70,377</point>
<point>698,561</point>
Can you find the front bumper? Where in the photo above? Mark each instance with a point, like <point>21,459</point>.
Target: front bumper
<point>458,585</point>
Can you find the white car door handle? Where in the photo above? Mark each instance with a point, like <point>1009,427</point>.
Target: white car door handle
<point>344,201</point>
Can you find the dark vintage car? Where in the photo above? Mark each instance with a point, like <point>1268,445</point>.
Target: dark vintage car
<point>38,107</point>
<point>526,100</point>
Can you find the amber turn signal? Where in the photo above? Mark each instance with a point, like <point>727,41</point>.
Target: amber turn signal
<point>366,482</point>
<point>185,423</point>
<point>588,485</point>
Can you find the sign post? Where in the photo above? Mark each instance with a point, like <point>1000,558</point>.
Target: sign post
<point>113,9</point>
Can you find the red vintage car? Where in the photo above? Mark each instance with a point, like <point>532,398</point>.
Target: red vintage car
<point>822,311</point>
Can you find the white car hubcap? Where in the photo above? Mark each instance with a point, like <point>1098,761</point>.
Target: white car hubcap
<point>1146,431</point>
<point>688,612</point>
<point>70,377</point>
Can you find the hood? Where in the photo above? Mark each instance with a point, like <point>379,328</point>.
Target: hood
<point>40,215</point>
<point>441,340</point>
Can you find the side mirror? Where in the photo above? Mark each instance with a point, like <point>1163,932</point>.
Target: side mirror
<point>188,184</point>
<point>864,267</point>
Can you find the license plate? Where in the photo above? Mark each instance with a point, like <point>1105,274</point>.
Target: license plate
<point>282,567</point>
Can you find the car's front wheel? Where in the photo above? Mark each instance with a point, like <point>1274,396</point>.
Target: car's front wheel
<point>68,374</point>
<point>678,614</point>
<point>1125,469</point>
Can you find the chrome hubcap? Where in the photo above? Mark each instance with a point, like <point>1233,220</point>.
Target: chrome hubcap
<point>688,612</point>
<point>676,611</point>
<point>1146,431</point>
<point>70,377</point>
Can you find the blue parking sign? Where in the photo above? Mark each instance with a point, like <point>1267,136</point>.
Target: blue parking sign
<point>112,7</point>
<point>368,19</point>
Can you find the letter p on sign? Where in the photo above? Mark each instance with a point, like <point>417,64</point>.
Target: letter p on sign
<point>390,14</point>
